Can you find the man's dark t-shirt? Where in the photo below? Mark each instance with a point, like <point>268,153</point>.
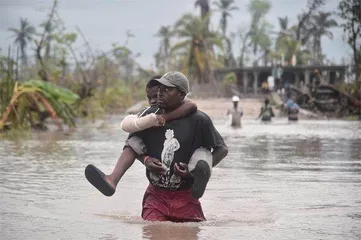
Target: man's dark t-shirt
<point>176,142</point>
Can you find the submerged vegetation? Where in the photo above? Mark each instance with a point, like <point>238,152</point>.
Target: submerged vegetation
<point>85,82</point>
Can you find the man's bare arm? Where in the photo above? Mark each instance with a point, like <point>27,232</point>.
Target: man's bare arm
<point>219,153</point>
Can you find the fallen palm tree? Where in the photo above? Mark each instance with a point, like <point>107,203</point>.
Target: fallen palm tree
<point>34,101</point>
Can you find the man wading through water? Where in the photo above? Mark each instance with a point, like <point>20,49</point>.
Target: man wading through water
<point>266,112</point>
<point>178,158</point>
<point>170,194</point>
<point>235,113</point>
<point>147,118</point>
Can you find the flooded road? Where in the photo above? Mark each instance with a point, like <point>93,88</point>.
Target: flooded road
<point>279,181</point>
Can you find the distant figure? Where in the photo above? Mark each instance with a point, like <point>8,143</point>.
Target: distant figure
<point>271,82</point>
<point>292,109</point>
<point>234,113</point>
<point>265,87</point>
<point>266,113</point>
<point>287,86</point>
<point>277,74</point>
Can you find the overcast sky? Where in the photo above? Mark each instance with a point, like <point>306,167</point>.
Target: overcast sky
<point>104,22</point>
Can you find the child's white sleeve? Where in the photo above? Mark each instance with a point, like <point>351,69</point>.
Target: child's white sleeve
<point>132,123</point>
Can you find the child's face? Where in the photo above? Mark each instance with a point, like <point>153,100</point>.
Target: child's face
<point>152,94</point>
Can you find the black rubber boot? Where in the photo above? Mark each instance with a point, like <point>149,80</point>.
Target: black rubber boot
<point>201,175</point>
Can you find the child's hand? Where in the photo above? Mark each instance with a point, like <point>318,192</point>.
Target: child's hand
<point>154,165</point>
<point>181,170</point>
<point>161,120</point>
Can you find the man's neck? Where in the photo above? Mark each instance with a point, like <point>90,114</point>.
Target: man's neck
<point>170,109</point>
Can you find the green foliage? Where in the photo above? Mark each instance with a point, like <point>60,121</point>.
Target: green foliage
<point>123,96</point>
<point>230,79</point>
<point>35,98</point>
<point>353,118</point>
<point>321,22</point>
<point>15,134</point>
<point>90,108</point>
<point>354,89</point>
<point>60,99</point>
<point>225,7</point>
<point>7,83</point>
<point>258,10</point>
<point>111,81</point>
<point>70,37</point>
<point>204,6</point>
<point>56,92</point>
<point>119,97</point>
<point>350,13</point>
<point>196,43</point>
<point>115,98</point>
<point>162,57</point>
<point>260,29</point>
<point>23,36</point>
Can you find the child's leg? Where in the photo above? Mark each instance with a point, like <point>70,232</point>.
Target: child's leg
<point>125,160</point>
<point>106,184</point>
<point>133,146</point>
<point>200,166</point>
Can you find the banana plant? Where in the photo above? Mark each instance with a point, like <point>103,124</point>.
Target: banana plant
<point>35,100</point>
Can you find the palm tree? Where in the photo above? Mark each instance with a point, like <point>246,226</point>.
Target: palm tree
<point>260,39</point>
<point>196,42</point>
<point>283,23</point>
<point>283,33</point>
<point>291,49</point>
<point>258,10</point>
<point>321,25</point>
<point>204,5</point>
<point>164,33</point>
<point>229,59</point>
<point>244,35</point>
<point>260,28</point>
<point>22,37</point>
<point>49,28</point>
<point>225,7</point>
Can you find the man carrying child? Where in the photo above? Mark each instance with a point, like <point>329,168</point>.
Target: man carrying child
<point>178,154</point>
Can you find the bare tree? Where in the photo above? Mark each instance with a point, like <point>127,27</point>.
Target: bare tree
<point>40,44</point>
<point>351,14</point>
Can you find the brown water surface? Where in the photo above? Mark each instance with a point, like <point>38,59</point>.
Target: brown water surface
<point>279,181</point>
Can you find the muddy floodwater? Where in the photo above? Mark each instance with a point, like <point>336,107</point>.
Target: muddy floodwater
<point>279,181</point>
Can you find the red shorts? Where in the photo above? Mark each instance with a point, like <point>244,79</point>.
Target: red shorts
<point>176,206</point>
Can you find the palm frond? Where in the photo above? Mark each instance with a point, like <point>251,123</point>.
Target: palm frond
<point>234,8</point>
<point>17,31</point>
<point>180,45</point>
<point>60,93</point>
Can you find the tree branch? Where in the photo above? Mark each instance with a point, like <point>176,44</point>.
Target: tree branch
<point>43,73</point>
<point>313,6</point>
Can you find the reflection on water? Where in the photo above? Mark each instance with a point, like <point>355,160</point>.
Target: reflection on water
<point>279,180</point>
<point>170,231</point>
